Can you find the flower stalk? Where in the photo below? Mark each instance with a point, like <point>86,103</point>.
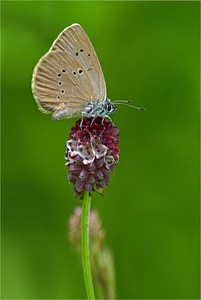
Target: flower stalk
<point>85,246</point>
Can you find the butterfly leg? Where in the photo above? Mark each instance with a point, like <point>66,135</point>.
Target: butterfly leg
<point>82,120</point>
<point>103,118</point>
<point>108,117</point>
<point>93,120</point>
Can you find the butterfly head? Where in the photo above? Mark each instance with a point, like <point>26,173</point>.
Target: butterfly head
<point>109,107</point>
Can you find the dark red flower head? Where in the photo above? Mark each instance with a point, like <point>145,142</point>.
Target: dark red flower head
<point>91,153</point>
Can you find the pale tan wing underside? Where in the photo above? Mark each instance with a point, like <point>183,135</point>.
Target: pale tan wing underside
<point>69,76</point>
<point>75,42</point>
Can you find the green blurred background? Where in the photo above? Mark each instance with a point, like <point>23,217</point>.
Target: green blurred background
<point>149,52</point>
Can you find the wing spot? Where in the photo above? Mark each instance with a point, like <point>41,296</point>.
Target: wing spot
<point>63,70</point>
<point>80,71</point>
<point>60,83</point>
<point>62,91</point>
<point>81,50</point>
<point>58,97</point>
<point>89,54</point>
<point>74,73</point>
<point>76,53</point>
<point>59,75</point>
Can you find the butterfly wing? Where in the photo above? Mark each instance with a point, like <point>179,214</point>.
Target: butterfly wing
<point>76,43</point>
<point>69,76</point>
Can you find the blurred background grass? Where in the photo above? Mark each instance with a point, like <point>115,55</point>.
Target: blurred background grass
<point>149,52</point>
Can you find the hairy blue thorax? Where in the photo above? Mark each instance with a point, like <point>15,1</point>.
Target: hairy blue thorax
<point>97,109</point>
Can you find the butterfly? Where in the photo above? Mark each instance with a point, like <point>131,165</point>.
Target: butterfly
<point>68,80</point>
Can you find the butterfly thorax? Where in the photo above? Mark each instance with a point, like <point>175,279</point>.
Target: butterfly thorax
<point>97,109</point>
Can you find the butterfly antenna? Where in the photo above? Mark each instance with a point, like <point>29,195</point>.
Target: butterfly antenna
<point>126,103</point>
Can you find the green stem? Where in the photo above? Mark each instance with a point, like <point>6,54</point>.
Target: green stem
<point>85,246</point>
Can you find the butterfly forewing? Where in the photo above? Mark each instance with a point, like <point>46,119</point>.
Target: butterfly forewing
<point>77,44</point>
<point>69,76</point>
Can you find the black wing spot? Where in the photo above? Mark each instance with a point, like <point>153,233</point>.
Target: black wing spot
<point>60,83</point>
<point>62,91</point>
<point>80,71</point>
<point>89,54</point>
<point>59,75</point>
<point>74,73</point>
<point>63,70</point>
<point>76,53</point>
<point>58,97</point>
<point>81,50</point>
